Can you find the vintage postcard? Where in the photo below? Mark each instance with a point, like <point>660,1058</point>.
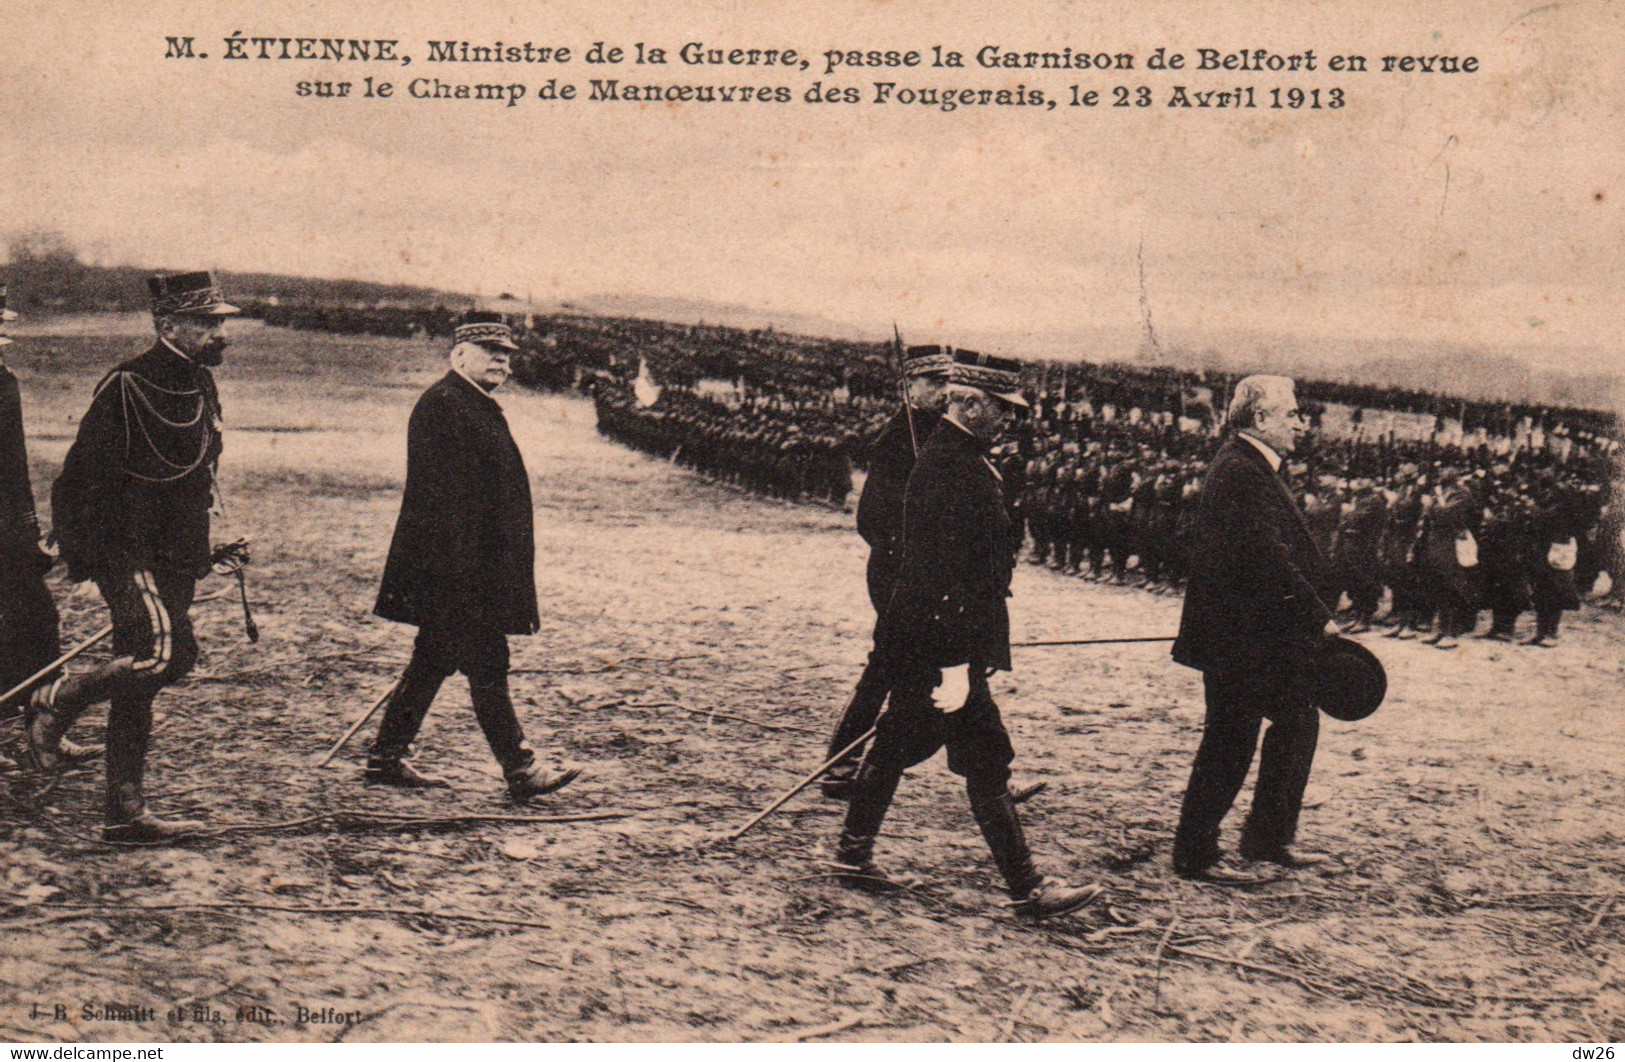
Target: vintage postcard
<point>502,505</point>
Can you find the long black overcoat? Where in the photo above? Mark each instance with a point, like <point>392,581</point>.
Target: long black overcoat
<point>948,605</point>
<point>880,506</point>
<point>1257,580</point>
<point>464,550</point>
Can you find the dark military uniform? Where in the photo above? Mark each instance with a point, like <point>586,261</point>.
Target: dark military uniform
<point>131,512</point>
<point>947,609</point>
<point>880,523</point>
<point>1355,553</point>
<point>28,616</point>
<point>461,568</point>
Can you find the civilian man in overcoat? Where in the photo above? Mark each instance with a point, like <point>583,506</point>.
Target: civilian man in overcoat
<point>947,611</point>
<point>131,512</point>
<point>1254,617</point>
<point>461,566</point>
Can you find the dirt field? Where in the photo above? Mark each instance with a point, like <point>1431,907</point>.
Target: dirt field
<point>1476,817</point>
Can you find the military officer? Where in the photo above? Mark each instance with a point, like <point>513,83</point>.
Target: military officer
<point>131,512</point>
<point>947,611</point>
<point>461,566</point>
<point>880,523</point>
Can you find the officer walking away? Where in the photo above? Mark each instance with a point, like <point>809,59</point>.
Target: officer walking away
<point>131,512</point>
<point>947,611</point>
<point>461,567</point>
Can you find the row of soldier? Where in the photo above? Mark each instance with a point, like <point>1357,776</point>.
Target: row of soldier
<point>1439,544</point>
<point>780,454</point>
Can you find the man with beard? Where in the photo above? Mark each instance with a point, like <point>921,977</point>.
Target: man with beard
<point>131,512</point>
<point>461,566</point>
<point>1253,619</point>
<point>944,630</point>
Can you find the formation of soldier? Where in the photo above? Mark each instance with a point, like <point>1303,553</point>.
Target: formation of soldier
<point>780,451</point>
<point>1429,537</point>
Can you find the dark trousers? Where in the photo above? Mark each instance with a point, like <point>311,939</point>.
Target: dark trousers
<point>153,647</point>
<point>870,695</point>
<point>29,624</point>
<point>479,652</point>
<point>1237,705</point>
<point>913,729</point>
<point>863,709</point>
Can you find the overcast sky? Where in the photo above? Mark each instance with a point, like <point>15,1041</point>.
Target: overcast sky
<point>1481,208</point>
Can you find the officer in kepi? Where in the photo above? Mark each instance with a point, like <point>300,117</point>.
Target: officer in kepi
<point>880,523</point>
<point>130,511</point>
<point>943,631</point>
<point>461,567</point>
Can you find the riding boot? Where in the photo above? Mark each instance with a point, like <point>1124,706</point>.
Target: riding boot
<point>871,797</point>
<point>1001,828</point>
<point>129,726</point>
<point>1036,896</point>
<point>54,707</point>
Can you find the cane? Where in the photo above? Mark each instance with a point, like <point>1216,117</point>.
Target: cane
<point>358,724</point>
<point>29,682</point>
<point>250,628</point>
<point>799,786</point>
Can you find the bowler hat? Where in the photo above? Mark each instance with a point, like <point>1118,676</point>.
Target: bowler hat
<point>1347,681</point>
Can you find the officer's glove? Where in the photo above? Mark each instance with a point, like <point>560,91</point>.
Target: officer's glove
<point>954,689</point>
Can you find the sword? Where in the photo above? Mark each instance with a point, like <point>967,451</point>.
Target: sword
<point>799,786</point>
<point>358,724</point>
<point>1091,641</point>
<point>29,682</point>
<point>902,382</point>
<point>94,640</point>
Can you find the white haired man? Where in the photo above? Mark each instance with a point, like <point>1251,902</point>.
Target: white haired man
<point>1254,614</point>
<point>461,566</point>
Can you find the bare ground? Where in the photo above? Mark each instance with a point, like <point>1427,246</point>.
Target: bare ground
<point>1476,816</point>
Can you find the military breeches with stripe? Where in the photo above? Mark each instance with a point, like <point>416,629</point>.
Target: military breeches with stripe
<point>153,646</point>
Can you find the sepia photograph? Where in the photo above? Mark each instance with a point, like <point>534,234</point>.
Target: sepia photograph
<point>849,521</point>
